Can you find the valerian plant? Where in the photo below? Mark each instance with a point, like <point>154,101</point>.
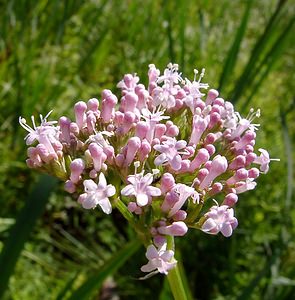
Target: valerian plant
<point>160,155</point>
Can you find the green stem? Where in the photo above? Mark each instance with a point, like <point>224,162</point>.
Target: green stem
<point>141,231</point>
<point>176,284</point>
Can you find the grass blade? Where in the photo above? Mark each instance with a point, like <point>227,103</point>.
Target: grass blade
<point>61,295</point>
<point>232,56</point>
<point>25,223</point>
<point>94,282</point>
<point>247,293</point>
<point>270,59</point>
<point>258,49</point>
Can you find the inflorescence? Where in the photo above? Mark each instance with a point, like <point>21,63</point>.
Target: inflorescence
<point>167,157</point>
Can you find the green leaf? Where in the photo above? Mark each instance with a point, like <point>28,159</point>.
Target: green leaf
<point>93,283</point>
<point>24,225</point>
<point>232,56</point>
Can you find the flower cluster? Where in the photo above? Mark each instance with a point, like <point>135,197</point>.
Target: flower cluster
<point>160,155</point>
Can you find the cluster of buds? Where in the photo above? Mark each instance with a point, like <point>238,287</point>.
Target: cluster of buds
<point>162,155</point>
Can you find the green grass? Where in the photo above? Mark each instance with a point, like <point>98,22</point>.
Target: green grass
<point>53,53</point>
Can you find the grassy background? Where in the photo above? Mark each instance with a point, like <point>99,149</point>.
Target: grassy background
<point>54,53</point>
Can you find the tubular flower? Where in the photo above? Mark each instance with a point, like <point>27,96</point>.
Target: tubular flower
<point>188,143</point>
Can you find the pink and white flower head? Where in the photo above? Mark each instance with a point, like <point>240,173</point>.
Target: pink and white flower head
<point>97,194</point>
<point>220,219</point>
<point>160,260</point>
<point>189,147</point>
<point>141,187</point>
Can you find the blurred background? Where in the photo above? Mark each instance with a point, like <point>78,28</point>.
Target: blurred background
<point>54,53</point>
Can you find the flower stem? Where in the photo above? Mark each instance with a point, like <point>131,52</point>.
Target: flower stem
<point>176,284</point>
<point>140,230</point>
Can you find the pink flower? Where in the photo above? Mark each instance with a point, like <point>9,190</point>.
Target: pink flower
<point>45,128</point>
<point>170,154</point>
<point>184,192</point>
<point>263,160</point>
<point>97,194</point>
<point>140,187</point>
<point>160,261</point>
<point>220,219</point>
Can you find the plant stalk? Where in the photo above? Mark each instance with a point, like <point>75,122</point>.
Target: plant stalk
<point>176,284</point>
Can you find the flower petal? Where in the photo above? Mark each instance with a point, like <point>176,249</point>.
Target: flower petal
<point>110,190</point>
<point>151,252</point>
<point>153,191</point>
<point>128,190</point>
<point>105,205</point>
<point>142,199</point>
<point>89,185</point>
<point>89,202</point>
<point>226,230</point>
<point>208,225</point>
<point>102,180</point>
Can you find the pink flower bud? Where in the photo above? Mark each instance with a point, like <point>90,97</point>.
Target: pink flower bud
<point>253,173</point>
<point>210,148</point>
<point>202,174</point>
<point>214,119</point>
<point>247,138</point>
<point>30,163</point>
<point>169,201</point>
<point>93,104</point>
<point>132,147</point>
<point>230,199</point>
<point>90,121</point>
<point>43,153</point>
<point>70,187</point>
<point>250,158</point>
<point>64,124</point>
<point>210,138</point>
<point>110,153</point>
<point>172,131</point>
<point>80,109</point>
<point>74,128</point>
<point>241,174</point>
<point>219,101</point>
<point>175,229</point>
<point>131,100</point>
<point>107,107</point>
<point>238,162</point>
<point>77,167</point>
<point>98,156</point>
<point>120,158</point>
<point>144,150</point>
<point>212,95</point>
<point>167,182</point>
<point>93,174</point>
<point>219,166</point>
<point>199,126</point>
<point>201,158</point>
<point>216,188</point>
<point>129,118</point>
<point>160,130</point>
<point>180,215</point>
<point>141,129</point>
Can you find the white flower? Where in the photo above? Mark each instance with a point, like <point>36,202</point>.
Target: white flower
<point>220,219</point>
<point>160,261</point>
<point>263,160</point>
<point>140,187</point>
<point>97,194</point>
<point>45,128</point>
